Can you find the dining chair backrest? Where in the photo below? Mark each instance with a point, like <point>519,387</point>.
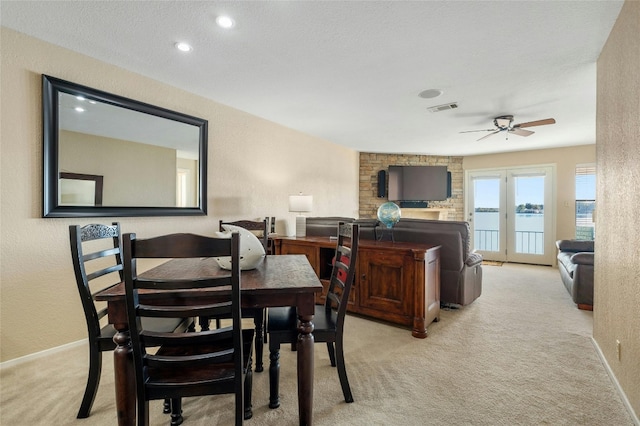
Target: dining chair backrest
<point>97,264</point>
<point>192,363</point>
<point>328,319</point>
<point>343,272</point>
<point>259,228</point>
<point>271,249</point>
<point>103,262</point>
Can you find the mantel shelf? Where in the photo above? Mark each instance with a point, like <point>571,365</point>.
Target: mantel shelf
<point>433,213</point>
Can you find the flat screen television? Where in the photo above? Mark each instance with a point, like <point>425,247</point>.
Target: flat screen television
<point>418,183</point>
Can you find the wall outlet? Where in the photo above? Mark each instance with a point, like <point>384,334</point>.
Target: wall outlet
<point>618,349</point>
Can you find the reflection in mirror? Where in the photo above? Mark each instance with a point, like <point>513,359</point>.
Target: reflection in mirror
<point>80,190</point>
<point>152,161</point>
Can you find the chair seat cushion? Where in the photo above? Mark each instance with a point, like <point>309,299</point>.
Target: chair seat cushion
<point>199,373</point>
<point>285,320</point>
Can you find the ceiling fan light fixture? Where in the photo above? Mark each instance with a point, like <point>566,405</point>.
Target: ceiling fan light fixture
<point>430,93</point>
<point>503,122</point>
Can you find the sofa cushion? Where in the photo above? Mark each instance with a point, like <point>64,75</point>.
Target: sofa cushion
<point>575,246</point>
<point>367,228</point>
<point>450,242</point>
<point>582,258</point>
<point>564,259</point>
<point>325,226</point>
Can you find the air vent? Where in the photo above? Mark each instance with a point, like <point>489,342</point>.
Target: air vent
<point>444,107</point>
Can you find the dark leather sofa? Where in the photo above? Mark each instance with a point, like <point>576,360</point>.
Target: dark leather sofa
<point>460,269</point>
<point>575,263</point>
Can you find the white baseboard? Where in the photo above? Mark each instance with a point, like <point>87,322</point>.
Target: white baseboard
<point>17,361</point>
<point>616,384</point>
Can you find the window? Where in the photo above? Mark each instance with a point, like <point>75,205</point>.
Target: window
<point>585,201</point>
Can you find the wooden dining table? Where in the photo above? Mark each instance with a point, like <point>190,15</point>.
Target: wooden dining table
<point>283,280</point>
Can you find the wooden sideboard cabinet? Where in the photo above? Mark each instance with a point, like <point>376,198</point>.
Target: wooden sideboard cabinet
<point>394,281</point>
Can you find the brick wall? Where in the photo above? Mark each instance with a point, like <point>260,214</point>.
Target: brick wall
<point>371,164</point>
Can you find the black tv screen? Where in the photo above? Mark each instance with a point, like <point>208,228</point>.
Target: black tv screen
<point>418,183</point>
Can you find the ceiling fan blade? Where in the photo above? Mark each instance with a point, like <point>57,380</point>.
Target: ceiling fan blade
<point>471,131</point>
<point>521,132</point>
<point>490,134</point>
<point>536,123</point>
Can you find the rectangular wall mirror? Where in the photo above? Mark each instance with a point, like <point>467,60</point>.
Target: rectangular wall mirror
<point>107,155</point>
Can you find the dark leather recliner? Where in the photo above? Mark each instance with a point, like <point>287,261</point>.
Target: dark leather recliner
<point>575,263</point>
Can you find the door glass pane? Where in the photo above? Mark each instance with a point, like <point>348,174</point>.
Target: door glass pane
<point>486,210</point>
<point>529,214</point>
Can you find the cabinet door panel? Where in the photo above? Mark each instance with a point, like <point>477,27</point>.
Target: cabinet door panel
<point>384,281</point>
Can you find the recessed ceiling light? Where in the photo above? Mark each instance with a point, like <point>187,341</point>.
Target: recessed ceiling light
<point>225,21</point>
<point>184,47</point>
<point>431,93</point>
<point>79,109</point>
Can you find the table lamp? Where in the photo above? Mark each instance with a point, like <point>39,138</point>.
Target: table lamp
<point>300,204</point>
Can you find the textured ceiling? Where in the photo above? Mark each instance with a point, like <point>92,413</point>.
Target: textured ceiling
<point>351,71</point>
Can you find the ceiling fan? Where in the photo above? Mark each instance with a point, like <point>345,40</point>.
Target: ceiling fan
<point>503,124</point>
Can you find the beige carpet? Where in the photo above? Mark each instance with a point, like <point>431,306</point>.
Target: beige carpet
<point>519,355</point>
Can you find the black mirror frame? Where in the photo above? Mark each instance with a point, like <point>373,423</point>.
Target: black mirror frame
<point>51,87</point>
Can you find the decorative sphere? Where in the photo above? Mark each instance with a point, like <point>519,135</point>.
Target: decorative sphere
<point>389,214</point>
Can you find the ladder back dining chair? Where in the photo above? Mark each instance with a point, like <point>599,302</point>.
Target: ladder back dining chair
<point>211,362</point>
<point>96,252</point>
<point>328,320</point>
<point>261,230</point>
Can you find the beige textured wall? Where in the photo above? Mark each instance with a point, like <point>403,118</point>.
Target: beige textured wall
<point>565,160</point>
<point>617,281</point>
<point>254,165</point>
<point>371,163</point>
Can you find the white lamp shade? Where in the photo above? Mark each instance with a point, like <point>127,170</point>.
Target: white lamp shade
<point>300,203</point>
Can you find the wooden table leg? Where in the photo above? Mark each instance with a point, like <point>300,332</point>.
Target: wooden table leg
<point>305,369</point>
<point>124,377</point>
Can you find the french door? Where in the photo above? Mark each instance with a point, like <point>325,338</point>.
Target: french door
<point>511,214</point>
